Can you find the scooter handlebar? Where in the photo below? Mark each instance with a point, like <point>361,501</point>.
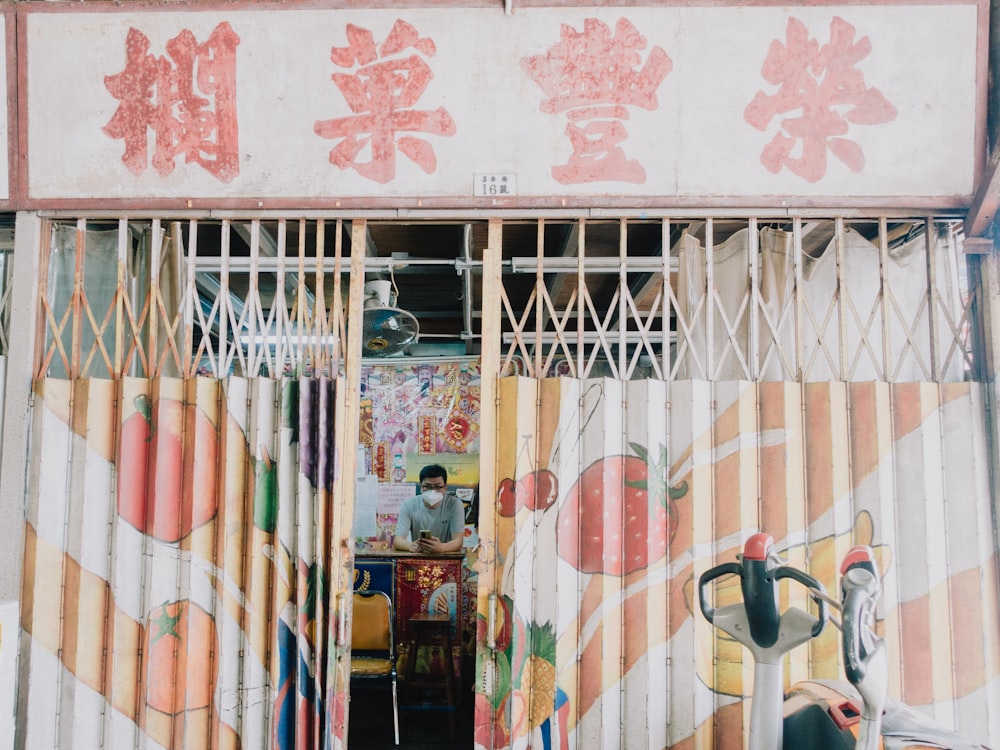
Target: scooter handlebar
<point>707,577</point>
<point>737,569</point>
<point>809,582</point>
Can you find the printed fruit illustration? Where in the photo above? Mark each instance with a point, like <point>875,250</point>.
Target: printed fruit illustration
<point>314,398</point>
<point>493,679</point>
<point>339,716</point>
<point>496,723</point>
<point>507,497</point>
<point>538,674</point>
<point>265,495</point>
<point>619,516</point>
<point>536,490</point>
<point>167,463</point>
<point>179,657</point>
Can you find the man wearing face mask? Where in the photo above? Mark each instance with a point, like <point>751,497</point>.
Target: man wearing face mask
<point>434,510</point>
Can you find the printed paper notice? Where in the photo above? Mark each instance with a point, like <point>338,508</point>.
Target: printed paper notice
<point>365,501</point>
<point>391,496</point>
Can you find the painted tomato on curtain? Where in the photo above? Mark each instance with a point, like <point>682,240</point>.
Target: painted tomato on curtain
<point>163,490</point>
<point>179,670</point>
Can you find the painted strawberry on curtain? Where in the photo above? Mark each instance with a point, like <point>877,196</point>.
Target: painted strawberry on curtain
<point>620,515</point>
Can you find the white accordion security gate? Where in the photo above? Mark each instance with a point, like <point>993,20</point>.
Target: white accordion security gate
<point>815,382</point>
<point>810,376</point>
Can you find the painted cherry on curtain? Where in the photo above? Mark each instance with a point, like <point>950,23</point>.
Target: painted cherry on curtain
<point>536,490</point>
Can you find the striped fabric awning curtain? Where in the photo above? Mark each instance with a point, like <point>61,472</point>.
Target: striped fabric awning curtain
<point>615,496</point>
<point>177,565</point>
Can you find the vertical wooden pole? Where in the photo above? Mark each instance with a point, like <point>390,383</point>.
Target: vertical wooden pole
<point>121,292</point>
<point>77,302</point>
<point>839,295</point>
<point>622,368</point>
<point>536,369</point>
<point>666,361</point>
<point>888,371</point>
<point>984,273</point>
<point>225,304</point>
<point>252,308</point>
<point>933,301</point>
<point>753,324</point>
<point>797,299</point>
<point>189,364</point>
<point>348,415</point>
<point>710,300</point>
<point>488,565</point>
<point>581,302</point>
<point>152,294</point>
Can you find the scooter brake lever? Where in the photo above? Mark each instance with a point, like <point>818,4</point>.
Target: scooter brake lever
<point>810,583</point>
<point>856,655</point>
<point>860,586</point>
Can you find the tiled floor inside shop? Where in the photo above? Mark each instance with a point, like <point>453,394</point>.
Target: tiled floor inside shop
<point>370,726</point>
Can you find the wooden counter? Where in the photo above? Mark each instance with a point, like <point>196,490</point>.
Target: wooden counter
<point>390,553</point>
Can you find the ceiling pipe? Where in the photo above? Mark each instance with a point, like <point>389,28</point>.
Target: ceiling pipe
<point>467,282</point>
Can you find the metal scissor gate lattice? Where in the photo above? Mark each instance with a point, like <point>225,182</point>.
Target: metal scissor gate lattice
<point>745,298</point>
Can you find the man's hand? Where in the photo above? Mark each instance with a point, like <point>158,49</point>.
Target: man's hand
<point>430,546</point>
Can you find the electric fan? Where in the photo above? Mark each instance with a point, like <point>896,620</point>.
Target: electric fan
<point>385,330</point>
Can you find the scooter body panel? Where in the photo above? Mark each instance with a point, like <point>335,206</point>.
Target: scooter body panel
<point>821,715</point>
<point>832,709</point>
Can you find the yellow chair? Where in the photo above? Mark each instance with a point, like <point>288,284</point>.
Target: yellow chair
<point>373,649</point>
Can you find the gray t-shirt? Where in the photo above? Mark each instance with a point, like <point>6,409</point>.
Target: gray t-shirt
<point>445,521</point>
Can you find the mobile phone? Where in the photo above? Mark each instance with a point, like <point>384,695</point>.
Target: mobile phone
<point>425,534</point>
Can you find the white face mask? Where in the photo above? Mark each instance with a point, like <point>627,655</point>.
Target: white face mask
<point>433,498</point>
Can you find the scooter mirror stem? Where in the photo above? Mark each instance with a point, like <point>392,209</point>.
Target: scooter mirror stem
<point>865,660</point>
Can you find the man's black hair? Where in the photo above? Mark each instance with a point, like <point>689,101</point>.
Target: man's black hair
<point>434,470</point>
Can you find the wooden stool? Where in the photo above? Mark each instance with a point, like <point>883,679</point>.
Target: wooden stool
<point>427,629</point>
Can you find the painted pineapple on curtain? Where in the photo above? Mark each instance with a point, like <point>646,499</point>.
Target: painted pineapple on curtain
<point>189,522</point>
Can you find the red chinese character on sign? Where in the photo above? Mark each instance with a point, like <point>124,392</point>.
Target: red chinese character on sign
<point>381,461</point>
<point>822,85</point>
<point>381,93</point>
<point>187,99</point>
<point>427,431</point>
<point>594,76</point>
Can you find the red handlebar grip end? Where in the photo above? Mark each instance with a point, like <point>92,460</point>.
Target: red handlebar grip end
<point>757,546</point>
<point>859,554</point>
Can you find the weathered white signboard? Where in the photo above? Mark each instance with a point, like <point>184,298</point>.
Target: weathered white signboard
<point>692,102</point>
<point>4,128</point>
